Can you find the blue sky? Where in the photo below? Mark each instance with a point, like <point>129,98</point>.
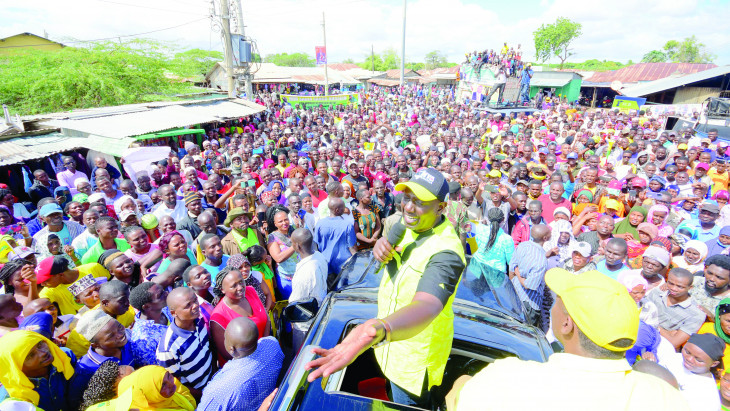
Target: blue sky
<point>613,30</point>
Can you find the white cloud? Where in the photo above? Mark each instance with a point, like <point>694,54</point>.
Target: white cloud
<point>614,30</point>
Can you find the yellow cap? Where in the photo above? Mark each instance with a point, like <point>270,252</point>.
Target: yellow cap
<point>613,204</point>
<point>495,174</point>
<point>600,306</point>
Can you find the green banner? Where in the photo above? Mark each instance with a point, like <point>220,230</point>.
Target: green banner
<point>326,101</point>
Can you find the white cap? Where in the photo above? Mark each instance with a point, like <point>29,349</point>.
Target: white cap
<point>583,248</point>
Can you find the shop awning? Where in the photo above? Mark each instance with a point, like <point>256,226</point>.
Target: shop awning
<point>171,133</point>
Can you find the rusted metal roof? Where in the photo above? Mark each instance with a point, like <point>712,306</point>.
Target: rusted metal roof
<point>645,89</point>
<point>384,82</point>
<point>342,66</point>
<point>647,72</point>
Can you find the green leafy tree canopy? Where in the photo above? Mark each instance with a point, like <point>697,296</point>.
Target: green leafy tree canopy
<point>689,50</point>
<point>554,40</point>
<point>435,59</point>
<point>106,74</point>
<point>291,60</point>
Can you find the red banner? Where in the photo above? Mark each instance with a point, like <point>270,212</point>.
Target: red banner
<point>320,53</point>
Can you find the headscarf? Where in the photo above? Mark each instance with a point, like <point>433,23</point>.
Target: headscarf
<point>624,226</point>
<point>146,383</point>
<point>558,227</point>
<point>714,246</point>
<point>16,346</point>
<point>718,329</point>
<point>123,199</point>
<point>701,248</point>
<point>648,228</point>
<point>631,281</point>
<point>665,230</point>
<point>663,242</point>
<point>282,198</point>
<point>585,192</point>
<point>236,170</point>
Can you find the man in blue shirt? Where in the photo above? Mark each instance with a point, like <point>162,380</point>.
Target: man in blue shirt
<point>525,83</point>
<point>335,236</point>
<point>527,272</point>
<point>704,227</point>
<point>615,253</point>
<point>244,382</point>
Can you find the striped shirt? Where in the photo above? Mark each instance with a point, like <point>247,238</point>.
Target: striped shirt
<point>186,354</point>
<point>530,258</point>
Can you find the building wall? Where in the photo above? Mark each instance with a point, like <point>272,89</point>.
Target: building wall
<point>693,95</point>
<point>218,79</point>
<point>22,42</point>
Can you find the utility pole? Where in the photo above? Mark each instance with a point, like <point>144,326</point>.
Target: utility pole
<point>228,47</point>
<point>372,58</point>
<point>403,47</point>
<point>247,67</point>
<point>326,76</point>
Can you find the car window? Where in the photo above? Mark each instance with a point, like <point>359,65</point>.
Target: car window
<point>362,271</point>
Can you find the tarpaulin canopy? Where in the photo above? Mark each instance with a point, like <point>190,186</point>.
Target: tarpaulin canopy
<point>171,133</point>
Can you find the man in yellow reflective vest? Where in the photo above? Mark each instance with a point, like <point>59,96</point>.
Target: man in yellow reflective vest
<point>415,326</point>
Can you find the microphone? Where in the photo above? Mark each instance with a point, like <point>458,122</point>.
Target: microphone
<point>395,236</point>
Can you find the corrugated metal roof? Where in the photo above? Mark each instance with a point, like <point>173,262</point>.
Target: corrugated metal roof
<point>647,72</point>
<point>384,82</point>
<point>644,89</point>
<point>153,119</point>
<point>549,82</point>
<point>19,149</point>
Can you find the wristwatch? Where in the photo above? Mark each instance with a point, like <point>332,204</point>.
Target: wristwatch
<point>386,338</point>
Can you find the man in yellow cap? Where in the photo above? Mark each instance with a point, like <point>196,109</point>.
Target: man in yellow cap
<point>413,331</point>
<point>597,322</point>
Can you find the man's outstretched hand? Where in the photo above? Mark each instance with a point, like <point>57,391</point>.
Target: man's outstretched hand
<point>343,354</point>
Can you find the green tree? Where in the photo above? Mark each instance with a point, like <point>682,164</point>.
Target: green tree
<point>105,74</point>
<point>654,56</point>
<point>415,66</point>
<point>553,40</point>
<point>197,61</point>
<point>435,59</point>
<point>291,60</point>
<point>689,50</point>
<point>348,61</point>
<point>389,60</point>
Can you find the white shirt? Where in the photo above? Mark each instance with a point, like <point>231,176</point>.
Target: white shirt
<point>699,390</point>
<point>177,214</point>
<point>309,281</point>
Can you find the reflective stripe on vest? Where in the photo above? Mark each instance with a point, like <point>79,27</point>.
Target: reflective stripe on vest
<point>405,362</point>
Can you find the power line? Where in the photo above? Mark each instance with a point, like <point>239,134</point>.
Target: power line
<point>147,7</point>
<point>112,37</point>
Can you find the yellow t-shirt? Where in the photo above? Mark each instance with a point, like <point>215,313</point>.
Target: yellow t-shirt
<point>719,181</point>
<point>63,297</point>
<point>595,385</point>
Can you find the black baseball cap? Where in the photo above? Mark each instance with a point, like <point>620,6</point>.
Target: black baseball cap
<point>454,187</point>
<point>427,184</point>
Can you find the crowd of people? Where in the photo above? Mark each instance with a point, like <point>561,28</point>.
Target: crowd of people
<point>508,57</point>
<point>155,289</point>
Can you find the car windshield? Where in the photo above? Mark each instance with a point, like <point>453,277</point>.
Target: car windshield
<point>362,271</point>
